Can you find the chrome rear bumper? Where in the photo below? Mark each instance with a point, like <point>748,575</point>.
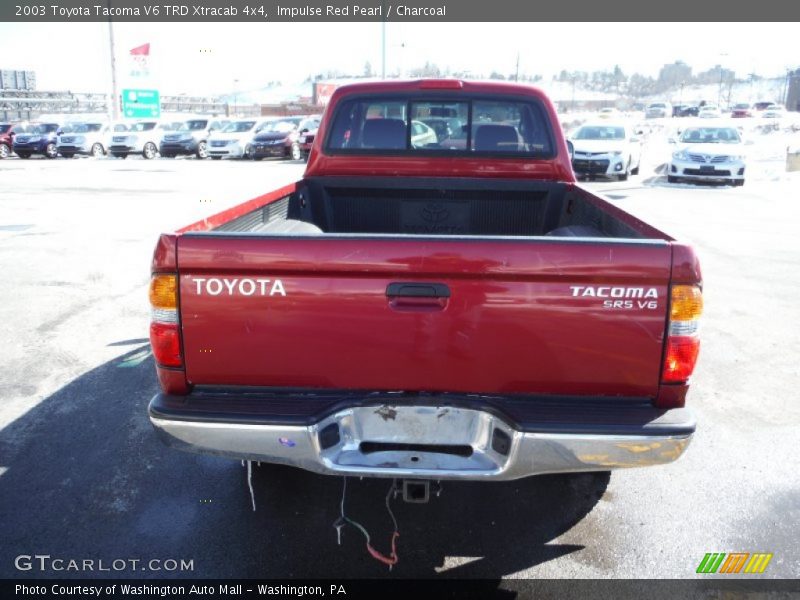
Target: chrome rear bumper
<point>422,442</point>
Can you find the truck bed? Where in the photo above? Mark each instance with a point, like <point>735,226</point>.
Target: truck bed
<point>440,207</point>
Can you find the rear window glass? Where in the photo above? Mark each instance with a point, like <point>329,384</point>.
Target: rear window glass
<point>458,126</point>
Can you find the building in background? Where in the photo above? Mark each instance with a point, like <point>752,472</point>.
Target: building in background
<point>17,80</point>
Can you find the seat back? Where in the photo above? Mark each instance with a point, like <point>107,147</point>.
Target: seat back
<point>386,134</point>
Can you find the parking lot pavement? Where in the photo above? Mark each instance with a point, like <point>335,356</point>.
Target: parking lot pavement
<point>82,475</point>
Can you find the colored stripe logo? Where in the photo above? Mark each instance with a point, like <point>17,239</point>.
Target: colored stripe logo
<point>734,562</point>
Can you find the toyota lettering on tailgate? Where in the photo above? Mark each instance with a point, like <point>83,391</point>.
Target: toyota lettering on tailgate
<point>238,287</point>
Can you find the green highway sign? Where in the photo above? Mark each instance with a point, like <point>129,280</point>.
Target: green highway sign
<point>141,104</point>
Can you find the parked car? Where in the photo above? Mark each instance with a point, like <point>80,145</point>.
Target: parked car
<point>710,111</point>
<point>190,137</point>
<point>83,138</point>
<point>741,110</point>
<point>306,141</point>
<point>7,134</point>
<point>37,138</point>
<point>422,135</point>
<point>608,113</point>
<point>685,110</point>
<point>139,137</point>
<point>235,140</point>
<point>774,111</point>
<point>708,154</point>
<point>607,150</point>
<point>281,137</point>
<point>475,314</point>
<point>658,110</point>
<point>763,105</point>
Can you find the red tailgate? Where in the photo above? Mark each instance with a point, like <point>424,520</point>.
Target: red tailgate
<point>488,316</point>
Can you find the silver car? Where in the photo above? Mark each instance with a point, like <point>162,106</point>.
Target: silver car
<point>714,153</point>
<point>83,138</point>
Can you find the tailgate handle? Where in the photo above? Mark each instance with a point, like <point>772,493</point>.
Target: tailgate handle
<point>418,290</point>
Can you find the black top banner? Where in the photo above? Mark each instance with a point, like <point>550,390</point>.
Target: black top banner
<point>395,11</point>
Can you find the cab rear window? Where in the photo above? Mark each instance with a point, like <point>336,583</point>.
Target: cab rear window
<point>464,126</point>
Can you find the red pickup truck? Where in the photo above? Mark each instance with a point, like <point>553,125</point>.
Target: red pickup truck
<point>428,305</point>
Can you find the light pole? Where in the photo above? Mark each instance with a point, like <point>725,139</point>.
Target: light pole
<point>114,90</point>
<point>719,66</point>
<point>236,97</point>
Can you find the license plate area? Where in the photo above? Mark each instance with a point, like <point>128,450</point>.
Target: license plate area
<point>422,441</point>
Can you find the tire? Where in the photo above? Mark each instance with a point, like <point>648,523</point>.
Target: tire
<point>672,179</point>
<point>5,151</point>
<point>149,151</point>
<point>23,154</point>
<point>216,158</point>
<point>51,151</point>
<point>636,170</point>
<point>202,150</point>
<point>248,151</point>
<point>295,152</point>
<point>67,154</point>
<point>97,150</point>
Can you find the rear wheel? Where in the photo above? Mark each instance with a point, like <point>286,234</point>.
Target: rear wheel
<point>98,150</point>
<point>5,151</point>
<point>149,151</point>
<point>202,150</point>
<point>51,151</point>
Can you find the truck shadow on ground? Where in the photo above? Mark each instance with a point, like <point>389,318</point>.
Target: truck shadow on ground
<point>86,478</point>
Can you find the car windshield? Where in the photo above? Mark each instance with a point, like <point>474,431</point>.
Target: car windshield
<point>711,135</point>
<point>142,126</point>
<point>44,128</point>
<point>589,132</point>
<point>239,126</point>
<point>196,125</point>
<point>282,126</point>
<point>85,128</point>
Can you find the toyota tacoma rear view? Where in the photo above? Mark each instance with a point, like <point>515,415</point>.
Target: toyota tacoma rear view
<point>452,306</point>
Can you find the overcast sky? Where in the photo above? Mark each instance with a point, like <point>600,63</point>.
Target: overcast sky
<point>206,58</point>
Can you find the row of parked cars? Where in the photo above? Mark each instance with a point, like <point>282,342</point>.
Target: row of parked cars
<point>709,110</point>
<point>713,152</point>
<point>203,137</point>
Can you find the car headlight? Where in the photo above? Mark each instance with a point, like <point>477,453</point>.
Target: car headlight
<point>680,155</point>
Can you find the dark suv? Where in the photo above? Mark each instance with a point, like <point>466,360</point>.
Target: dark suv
<point>191,138</point>
<point>37,138</point>
<point>6,140</point>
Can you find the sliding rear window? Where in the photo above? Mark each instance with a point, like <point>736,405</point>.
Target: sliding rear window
<point>501,127</point>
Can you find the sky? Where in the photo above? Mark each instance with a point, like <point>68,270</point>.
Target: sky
<point>216,58</point>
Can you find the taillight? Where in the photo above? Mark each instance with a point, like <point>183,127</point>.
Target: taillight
<point>164,333</point>
<point>683,343</point>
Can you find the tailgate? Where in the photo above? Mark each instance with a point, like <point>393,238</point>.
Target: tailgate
<point>479,315</point>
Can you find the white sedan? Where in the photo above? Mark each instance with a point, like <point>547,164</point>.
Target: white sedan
<point>606,149</point>
<point>711,153</point>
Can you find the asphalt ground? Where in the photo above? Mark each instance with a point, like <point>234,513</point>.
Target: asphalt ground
<point>83,476</point>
